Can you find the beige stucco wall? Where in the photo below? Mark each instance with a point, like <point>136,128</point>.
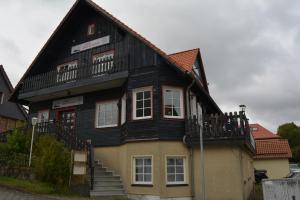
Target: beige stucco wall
<point>224,169</point>
<point>276,168</point>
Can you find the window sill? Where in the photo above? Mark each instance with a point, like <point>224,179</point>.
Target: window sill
<point>176,185</point>
<point>142,185</point>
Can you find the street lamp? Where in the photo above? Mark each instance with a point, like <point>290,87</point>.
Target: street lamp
<point>33,122</point>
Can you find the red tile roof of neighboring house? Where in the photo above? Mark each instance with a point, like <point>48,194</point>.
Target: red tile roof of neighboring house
<point>272,148</point>
<point>185,59</point>
<point>261,132</point>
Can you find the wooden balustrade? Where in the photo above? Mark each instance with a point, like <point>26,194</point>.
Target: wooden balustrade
<point>75,73</point>
<point>230,126</point>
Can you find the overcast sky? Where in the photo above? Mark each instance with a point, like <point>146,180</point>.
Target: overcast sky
<point>250,48</point>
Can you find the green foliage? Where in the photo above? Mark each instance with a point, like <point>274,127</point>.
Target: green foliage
<point>291,132</point>
<point>31,186</point>
<point>19,141</point>
<point>52,163</point>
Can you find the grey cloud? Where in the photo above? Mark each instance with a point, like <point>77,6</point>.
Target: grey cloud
<point>250,48</point>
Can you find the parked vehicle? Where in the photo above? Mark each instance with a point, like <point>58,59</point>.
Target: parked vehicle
<point>260,174</point>
<point>294,167</point>
<point>294,175</point>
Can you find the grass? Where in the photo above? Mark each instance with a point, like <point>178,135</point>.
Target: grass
<point>27,185</point>
<point>258,192</point>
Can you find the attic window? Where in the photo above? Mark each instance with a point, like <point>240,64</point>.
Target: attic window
<point>1,97</point>
<point>254,129</point>
<point>91,29</point>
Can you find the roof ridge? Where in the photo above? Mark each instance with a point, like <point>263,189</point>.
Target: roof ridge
<point>184,51</point>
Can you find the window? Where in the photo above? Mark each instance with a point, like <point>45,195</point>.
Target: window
<point>43,116</point>
<point>173,102</point>
<point>1,98</point>
<point>253,129</point>
<point>193,102</point>
<point>107,114</point>
<point>142,170</point>
<point>123,113</point>
<point>91,29</point>
<point>176,173</point>
<point>196,68</point>
<point>142,103</point>
<point>67,72</point>
<point>200,115</point>
<point>103,62</point>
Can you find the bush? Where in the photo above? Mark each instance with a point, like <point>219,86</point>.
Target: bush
<point>52,161</point>
<point>19,141</point>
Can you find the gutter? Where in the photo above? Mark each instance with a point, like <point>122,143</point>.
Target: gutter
<point>188,106</point>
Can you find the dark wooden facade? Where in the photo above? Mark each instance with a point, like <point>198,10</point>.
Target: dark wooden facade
<point>141,65</point>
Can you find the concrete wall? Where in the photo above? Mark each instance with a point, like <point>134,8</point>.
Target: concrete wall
<point>276,168</point>
<point>228,170</point>
<point>281,189</point>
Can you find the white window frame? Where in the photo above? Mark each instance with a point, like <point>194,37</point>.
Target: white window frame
<point>193,104</point>
<point>123,109</point>
<point>133,158</point>
<point>181,116</point>
<point>91,29</point>
<point>2,98</point>
<point>98,104</point>
<point>134,92</point>
<point>185,169</point>
<point>41,113</point>
<point>70,74</point>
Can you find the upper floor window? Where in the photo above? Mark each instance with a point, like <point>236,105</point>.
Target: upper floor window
<point>103,62</point>
<point>67,71</point>
<point>196,68</point>
<point>123,113</point>
<point>142,103</point>
<point>91,29</point>
<point>1,98</point>
<point>107,114</point>
<point>173,102</point>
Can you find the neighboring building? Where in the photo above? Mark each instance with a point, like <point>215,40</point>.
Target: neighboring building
<point>96,79</point>
<point>12,115</point>
<point>272,152</point>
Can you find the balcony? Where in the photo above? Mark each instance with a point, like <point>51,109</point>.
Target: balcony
<point>228,128</point>
<point>75,79</point>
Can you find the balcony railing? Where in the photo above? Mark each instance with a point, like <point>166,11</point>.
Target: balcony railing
<point>75,72</point>
<point>63,132</point>
<point>227,127</point>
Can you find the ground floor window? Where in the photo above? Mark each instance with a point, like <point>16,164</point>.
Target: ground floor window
<point>142,169</point>
<point>106,114</point>
<point>176,172</point>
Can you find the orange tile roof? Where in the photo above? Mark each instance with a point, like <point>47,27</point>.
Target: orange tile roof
<point>261,132</point>
<point>272,148</point>
<point>185,59</point>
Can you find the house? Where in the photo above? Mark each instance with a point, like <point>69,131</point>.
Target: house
<point>12,115</point>
<point>96,79</point>
<point>272,152</point>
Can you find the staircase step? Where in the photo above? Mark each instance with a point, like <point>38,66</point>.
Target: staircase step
<point>115,192</point>
<point>105,188</point>
<point>107,183</point>
<point>106,178</point>
<point>103,173</point>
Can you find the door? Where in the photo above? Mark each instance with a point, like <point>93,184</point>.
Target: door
<point>67,122</point>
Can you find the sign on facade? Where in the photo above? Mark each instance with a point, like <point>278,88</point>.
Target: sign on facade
<point>80,160</point>
<point>62,103</point>
<point>91,44</point>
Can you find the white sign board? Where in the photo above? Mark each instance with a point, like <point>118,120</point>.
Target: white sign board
<point>79,169</point>
<point>80,156</point>
<point>91,44</point>
<point>62,103</point>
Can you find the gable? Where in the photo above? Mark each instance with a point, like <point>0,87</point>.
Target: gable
<point>9,109</point>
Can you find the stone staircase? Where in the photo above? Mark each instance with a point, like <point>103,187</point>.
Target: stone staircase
<point>106,183</point>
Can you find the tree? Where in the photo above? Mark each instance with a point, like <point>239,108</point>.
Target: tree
<point>291,132</point>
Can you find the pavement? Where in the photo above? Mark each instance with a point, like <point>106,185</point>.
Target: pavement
<point>13,194</point>
<point>10,194</point>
